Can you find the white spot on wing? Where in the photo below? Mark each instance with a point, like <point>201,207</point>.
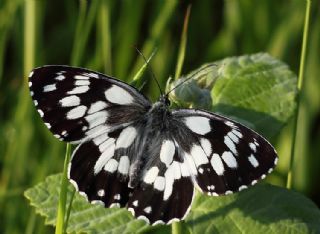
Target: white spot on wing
<point>72,100</point>
<point>126,137</point>
<point>159,183</point>
<point>30,83</point>
<point>229,159</point>
<point>206,146</point>
<point>198,155</point>
<point>217,164</point>
<point>60,77</point>
<point>242,187</point>
<point>82,82</point>
<point>79,77</point>
<point>40,112</point>
<point>151,175</point>
<point>103,159</point>
<point>75,185</point>
<point>94,75</point>
<point>169,179</point>
<point>97,118</point>
<point>96,131</point>
<point>101,193</point>
<point>228,192</point>
<point>106,144</point>
<point>118,95</point>
<point>198,124</point>
<point>124,164</point>
<point>98,140</point>
<point>78,90</point>
<point>253,161</point>
<point>111,165</point>
<point>233,137</point>
<point>147,210</point>
<point>253,146</point>
<point>77,112</point>
<point>230,144</point>
<point>167,152</point>
<point>230,124</point>
<point>135,203</point>
<point>176,170</point>
<point>31,74</point>
<point>97,106</point>
<point>237,133</point>
<point>49,88</point>
<point>190,164</point>
<point>185,171</point>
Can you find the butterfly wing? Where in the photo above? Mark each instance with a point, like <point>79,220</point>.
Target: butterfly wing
<point>99,168</point>
<point>77,104</point>
<point>226,156</point>
<point>127,169</point>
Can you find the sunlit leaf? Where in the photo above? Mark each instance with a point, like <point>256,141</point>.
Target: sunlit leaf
<point>257,90</point>
<point>261,209</point>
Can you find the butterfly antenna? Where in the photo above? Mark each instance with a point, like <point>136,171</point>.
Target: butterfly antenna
<point>191,76</point>
<point>152,74</point>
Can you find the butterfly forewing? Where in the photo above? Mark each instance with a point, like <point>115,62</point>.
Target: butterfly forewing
<point>78,104</point>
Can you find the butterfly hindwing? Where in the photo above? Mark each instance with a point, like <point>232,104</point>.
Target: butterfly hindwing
<point>99,169</point>
<point>154,184</point>
<point>166,190</point>
<point>78,104</point>
<point>228,156</point>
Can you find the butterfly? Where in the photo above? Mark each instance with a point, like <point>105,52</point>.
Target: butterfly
<point>146,157</point>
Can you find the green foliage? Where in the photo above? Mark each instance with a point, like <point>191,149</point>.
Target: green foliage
<point>261,209</point>
<point>256,83</point>
<point>256,90</point>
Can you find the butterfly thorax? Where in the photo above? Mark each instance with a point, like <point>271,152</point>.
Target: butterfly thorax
<point>156,125</point>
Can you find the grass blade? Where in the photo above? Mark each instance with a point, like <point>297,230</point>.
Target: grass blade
<point>300,83</point>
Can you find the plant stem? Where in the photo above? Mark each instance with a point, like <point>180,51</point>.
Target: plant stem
<point>69,211</point>
<point>300,83</point>
<point>176,227</point>
<point>105,31</point>
<point>183,44</point>
<point>61,225</point>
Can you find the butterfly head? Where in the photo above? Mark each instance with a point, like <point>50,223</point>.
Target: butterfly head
<point>164,100</point>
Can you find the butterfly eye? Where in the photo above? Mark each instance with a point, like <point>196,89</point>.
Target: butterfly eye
<point>167,102</point>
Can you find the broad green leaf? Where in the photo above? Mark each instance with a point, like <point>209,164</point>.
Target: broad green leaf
<point>261,209</point>
<point>84,217</point>
<point>256,90</point>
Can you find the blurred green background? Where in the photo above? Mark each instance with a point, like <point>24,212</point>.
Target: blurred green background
<point>101,35</point>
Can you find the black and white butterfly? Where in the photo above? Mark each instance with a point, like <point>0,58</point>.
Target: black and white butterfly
<point>143,156</point>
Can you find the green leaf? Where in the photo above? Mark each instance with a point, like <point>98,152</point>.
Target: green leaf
<point>84,217</point>
<point>261,209</point>
<point>256,90</point>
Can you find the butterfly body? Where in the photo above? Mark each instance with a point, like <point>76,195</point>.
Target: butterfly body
<point>143,156</point>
